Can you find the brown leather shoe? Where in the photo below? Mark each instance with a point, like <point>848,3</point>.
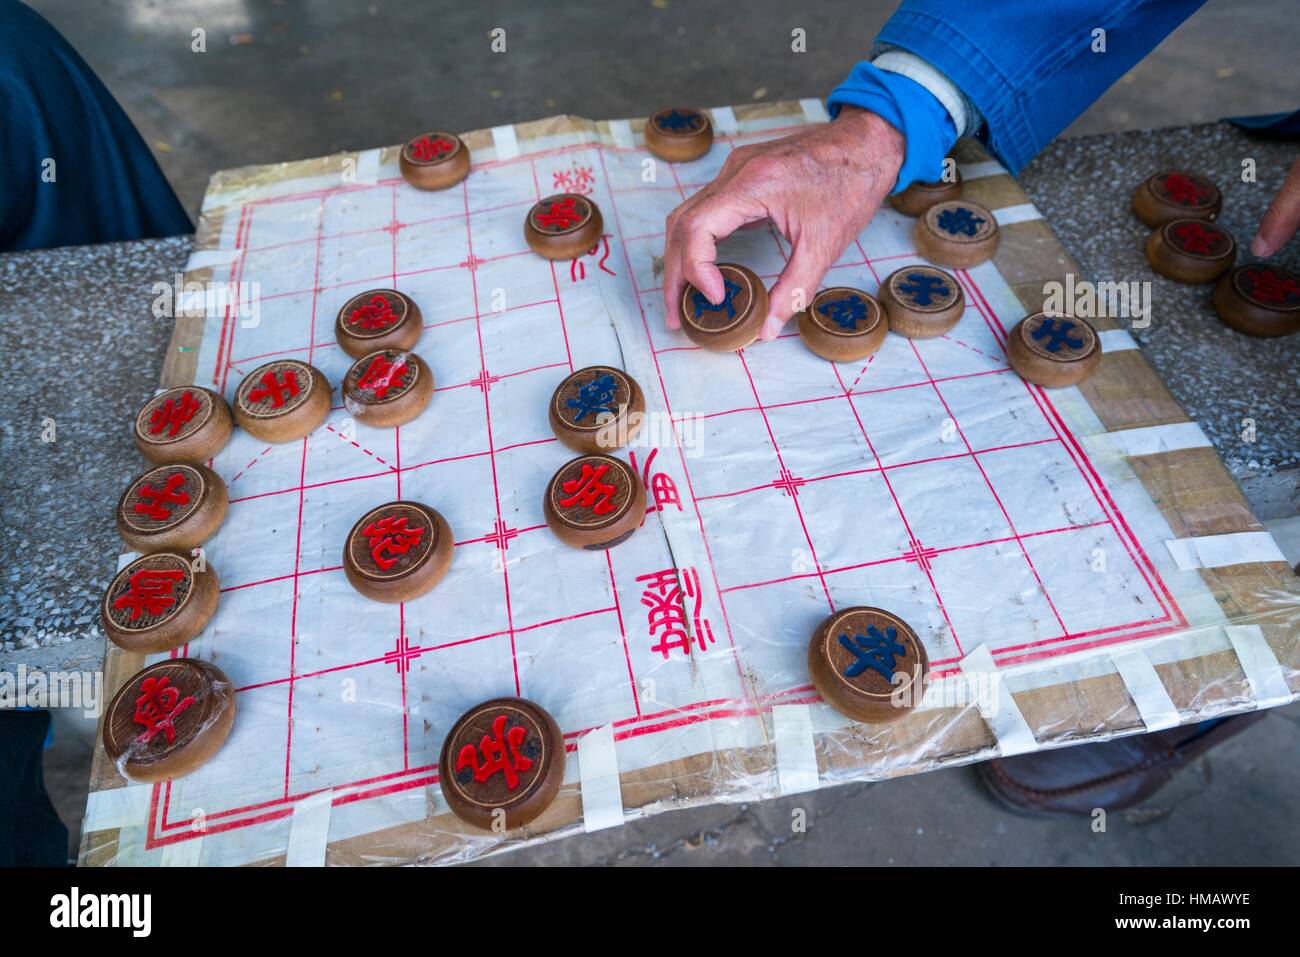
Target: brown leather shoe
<point>1109,774</point>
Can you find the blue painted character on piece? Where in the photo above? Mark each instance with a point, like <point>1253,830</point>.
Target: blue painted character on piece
<point>702,305</point>
<point>873,650</point>
<point>960,220</point>
<point>846,312</point>
<point>1057,334</point>
<point>924,289</point>
<point>595,397</point>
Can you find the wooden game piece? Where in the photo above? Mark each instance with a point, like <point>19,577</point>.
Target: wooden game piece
<point>282,401</point>
<point>917,198</point>
<point>921,302</point>
<point>159,602</point>
<point>734,322</point>
<point>563,226</point>
<point>397,552</point>
<point>597,409</point>
<point>868,664</point>
<point>1174,194</point>
<point>169,719</point>
<point>502,763</point>
<point>679,135</point>
<point>171,507</point>
<point>186,424</point>
<point>1053,351</point>
<point>434,160</point>
<point>378,319</point>
<point>1191,250</point>
<point>594,502</point>
<point>1259,299</point>
<point>843,324</point>
<point>388,388</point>
<point>957,233</point>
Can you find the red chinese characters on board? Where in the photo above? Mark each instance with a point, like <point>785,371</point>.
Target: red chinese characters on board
<point>499,753</point>
<point>157,708</point>
<point>588,491</point>
<point>668,619</point>
<point>173,414</point>
<point>390,536</point>
<point>151,591</point>
<point>157,503</point>
<point>277,390</point>
<point>577,179</point>
<point>663,490</point>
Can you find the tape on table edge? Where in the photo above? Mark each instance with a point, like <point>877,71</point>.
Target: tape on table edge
<point>602,794</point>
<point>724,119</point>
<point>1010,215</point>
<point>796,755</point>
<point>182,853</point>
<point>1144,686</point>
<point>1002,714</point>
<point>368,167</point>
<point>814,110</point>
<point>1219,551</point>
<point>1152,439</point>
<point>621,133</point>
<point>505,142</point>
<point>1263,670</point>
<point>981,170</point>
<point>207,258</point>
<point>1116,340</point>
<point>309,831</point>
<point>116,807</point>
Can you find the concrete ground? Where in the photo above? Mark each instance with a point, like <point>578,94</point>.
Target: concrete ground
<point>287,79</point>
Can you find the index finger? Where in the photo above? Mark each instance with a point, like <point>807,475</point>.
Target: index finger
<point>692,249</point>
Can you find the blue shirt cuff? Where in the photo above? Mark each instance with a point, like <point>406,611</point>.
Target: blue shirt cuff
<point>914,111</point>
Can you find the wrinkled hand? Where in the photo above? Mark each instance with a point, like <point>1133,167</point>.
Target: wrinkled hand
<point>819,187</point>
<point>1282,219</point>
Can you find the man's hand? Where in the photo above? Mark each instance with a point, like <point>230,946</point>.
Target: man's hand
<point>819,187</point>
<point>1282,218</point>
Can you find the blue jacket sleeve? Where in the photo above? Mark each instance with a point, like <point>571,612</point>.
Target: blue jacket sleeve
<point>1031,66</point>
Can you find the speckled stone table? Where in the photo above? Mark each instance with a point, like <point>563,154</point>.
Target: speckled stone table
<point>103,350</point>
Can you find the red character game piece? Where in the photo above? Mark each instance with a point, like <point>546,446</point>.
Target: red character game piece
<point>434,160</point>
<point>282,401</point>
<point>183,425</point>
<point>594,502</point>
<point>159,602</point>
<point>388,388</point>
<point>564,226</point>
<point>171,507</point>
<point>378,319</point>
<point>397,551</point>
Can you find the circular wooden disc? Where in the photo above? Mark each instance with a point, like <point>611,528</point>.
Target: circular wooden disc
<point>958,234</point>
<point>1259,299</point>
<point>594,502</point>
<point>1174,194</point>
<point>734,322</point>
<point>1053,351</point>
<point>597,409</point>
<point>388,388</point>
<point>378,319</point>
<point>169,719</point>
<point>1191,250</point>
<point>186,424</point>
<point>917,198</point>
<point>868,664</point>
<point>158,602</point>
<point>679,135</point>
<point>502,760</point>
<point>282,401</point>
<point>843,324</point>
<point>921,302</point>
<point>564,226</point>
<point>171,506</point>
<point>398,551</point>
<point>434,160</point>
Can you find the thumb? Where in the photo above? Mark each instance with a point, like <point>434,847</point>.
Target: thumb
<point>795,288</point>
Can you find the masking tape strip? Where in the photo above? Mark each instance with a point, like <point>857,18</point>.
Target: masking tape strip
<point>995,703</point>
<point>796,756</point>
<point>309,831</point>
<point>505,141</point>
<point>182,853</point>
<point>116,807</point>
<point>724,119</point>
<point>1263,670</point>
<point>1116,340</point>
<point>1009,215</point>
<point>368,167</point>
<point>207,258</point>
<point>814,110</point>
<point>1148,692</point>
<point>126,558</point>
<point>130,847</point>
<point>1217,551</point>
<point>621,132</point>
<point>1154,439</point>
<point>981,170</point>
<point>602,795</point>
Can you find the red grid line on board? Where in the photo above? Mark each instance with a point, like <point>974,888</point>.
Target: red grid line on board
<point>637,724</point>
